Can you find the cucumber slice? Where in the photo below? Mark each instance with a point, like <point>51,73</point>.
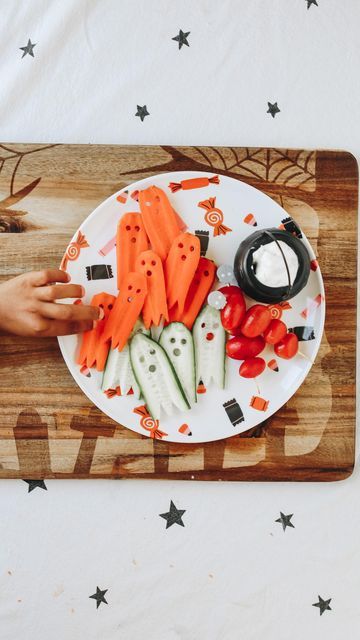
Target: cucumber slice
<point>156,377</point>
<point>209,341</point>
<point>118,371</point>
<point>178,343</point>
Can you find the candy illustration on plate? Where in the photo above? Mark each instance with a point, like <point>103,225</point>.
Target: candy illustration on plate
<point>193,183</point>
<point>149,424</point>
<point>109,246</point>
<point>250,219</point>
<point>122,197</point>
<point>185,430</point>
<point>73,250</point>
<point>204,241</point>
<point>233,412</point>
<point>214,217</point>
<point>99,272</point>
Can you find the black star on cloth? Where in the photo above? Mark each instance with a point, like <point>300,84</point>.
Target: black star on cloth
<point>173,516</point>
<point>28,49</point>
<point>285,520</point>
<point>273,109</point>
<point>99,596</point>
<point>33,484</point>
<point>323,605</point>
<point>142,112</point>
<point>182,38</point>
<point>310,2</point>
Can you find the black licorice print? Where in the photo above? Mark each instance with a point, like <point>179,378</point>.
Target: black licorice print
<point>204,241</point>
<point>291,226</point>
<point>303,333</point>
<point>99,272</point>
<point>234,412</point>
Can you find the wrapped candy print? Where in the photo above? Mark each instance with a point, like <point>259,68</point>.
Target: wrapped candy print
<point>214,217</point>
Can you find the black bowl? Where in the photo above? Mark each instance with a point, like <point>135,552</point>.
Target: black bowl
<point>244,268</point>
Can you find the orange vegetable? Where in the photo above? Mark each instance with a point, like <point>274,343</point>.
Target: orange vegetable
<point>159,219</point>
<point>197,294</point>
<point>155,307</point>
<point>93,351</point>
<point>131,239</point>
<point>126,310</point>
<point>180,267</point>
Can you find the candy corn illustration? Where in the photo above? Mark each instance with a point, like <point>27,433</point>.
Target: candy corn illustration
<point>85,371</point>
<point>214,217</point>
<point>312,306</point>
<point>250,219</point>
<point>122,197</point>
<point>259,403</point>
<point>149,424</point>
<point>110,393</point>
<point>135,195</point>
<point>185,430</point>
<point>193,183</point>
<point>73,250</point>
<point>273,365</point>
<point>201,387</point>
<point>108,246</point>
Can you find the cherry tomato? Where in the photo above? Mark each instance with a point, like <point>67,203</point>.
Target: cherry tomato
<point>230,289</point>
<point>287,347</point>
<point>275,332</point>
<point>256,320</point>
<point>252,367</point>
<point>241,347</point>
<point>234,311</point>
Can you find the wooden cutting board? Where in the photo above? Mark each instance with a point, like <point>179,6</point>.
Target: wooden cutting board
<point>48,427</point>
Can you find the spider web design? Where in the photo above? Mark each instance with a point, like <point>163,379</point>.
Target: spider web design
<point>291,168</point>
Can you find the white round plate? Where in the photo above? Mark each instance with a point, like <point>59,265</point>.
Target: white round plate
<point>248,405</point>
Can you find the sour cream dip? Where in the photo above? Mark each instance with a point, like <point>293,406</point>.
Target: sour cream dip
<point>269,265</point>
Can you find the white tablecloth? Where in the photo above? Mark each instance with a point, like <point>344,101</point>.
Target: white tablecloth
<point>231,571</point>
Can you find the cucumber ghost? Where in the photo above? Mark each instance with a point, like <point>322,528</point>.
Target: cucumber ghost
<point>209,341</point>
<point>118,371</point>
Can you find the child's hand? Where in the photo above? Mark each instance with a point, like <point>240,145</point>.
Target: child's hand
<point>28,305</point>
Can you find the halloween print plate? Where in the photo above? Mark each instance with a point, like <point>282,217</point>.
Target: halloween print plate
<point>221,212</point>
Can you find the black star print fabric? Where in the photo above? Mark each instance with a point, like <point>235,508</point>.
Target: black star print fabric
<point>173,560</point>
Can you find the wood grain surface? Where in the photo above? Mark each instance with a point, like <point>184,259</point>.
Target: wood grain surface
<point>48,427</point>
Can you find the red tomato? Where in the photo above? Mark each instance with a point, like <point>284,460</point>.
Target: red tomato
<point>287,347</point>
<point>241,347</point>
<point>229,289</point>
<point>252,367</point>
<point>256,320</point>
<point>275,332</point>
<point>233,313</point>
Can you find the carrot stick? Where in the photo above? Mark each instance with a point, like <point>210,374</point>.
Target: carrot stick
<point>159,219</point>
<point>198,291</point>
<point>93,351</point>
<point>126,311</point>
<point>131,239</point>
<point>155,307</point>
<point>180,267</point>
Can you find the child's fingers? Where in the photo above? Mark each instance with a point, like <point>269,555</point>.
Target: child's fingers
<point>67,328</point>
<point>39,278</point>
<point>60,291</point>
<point>69,312</point>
